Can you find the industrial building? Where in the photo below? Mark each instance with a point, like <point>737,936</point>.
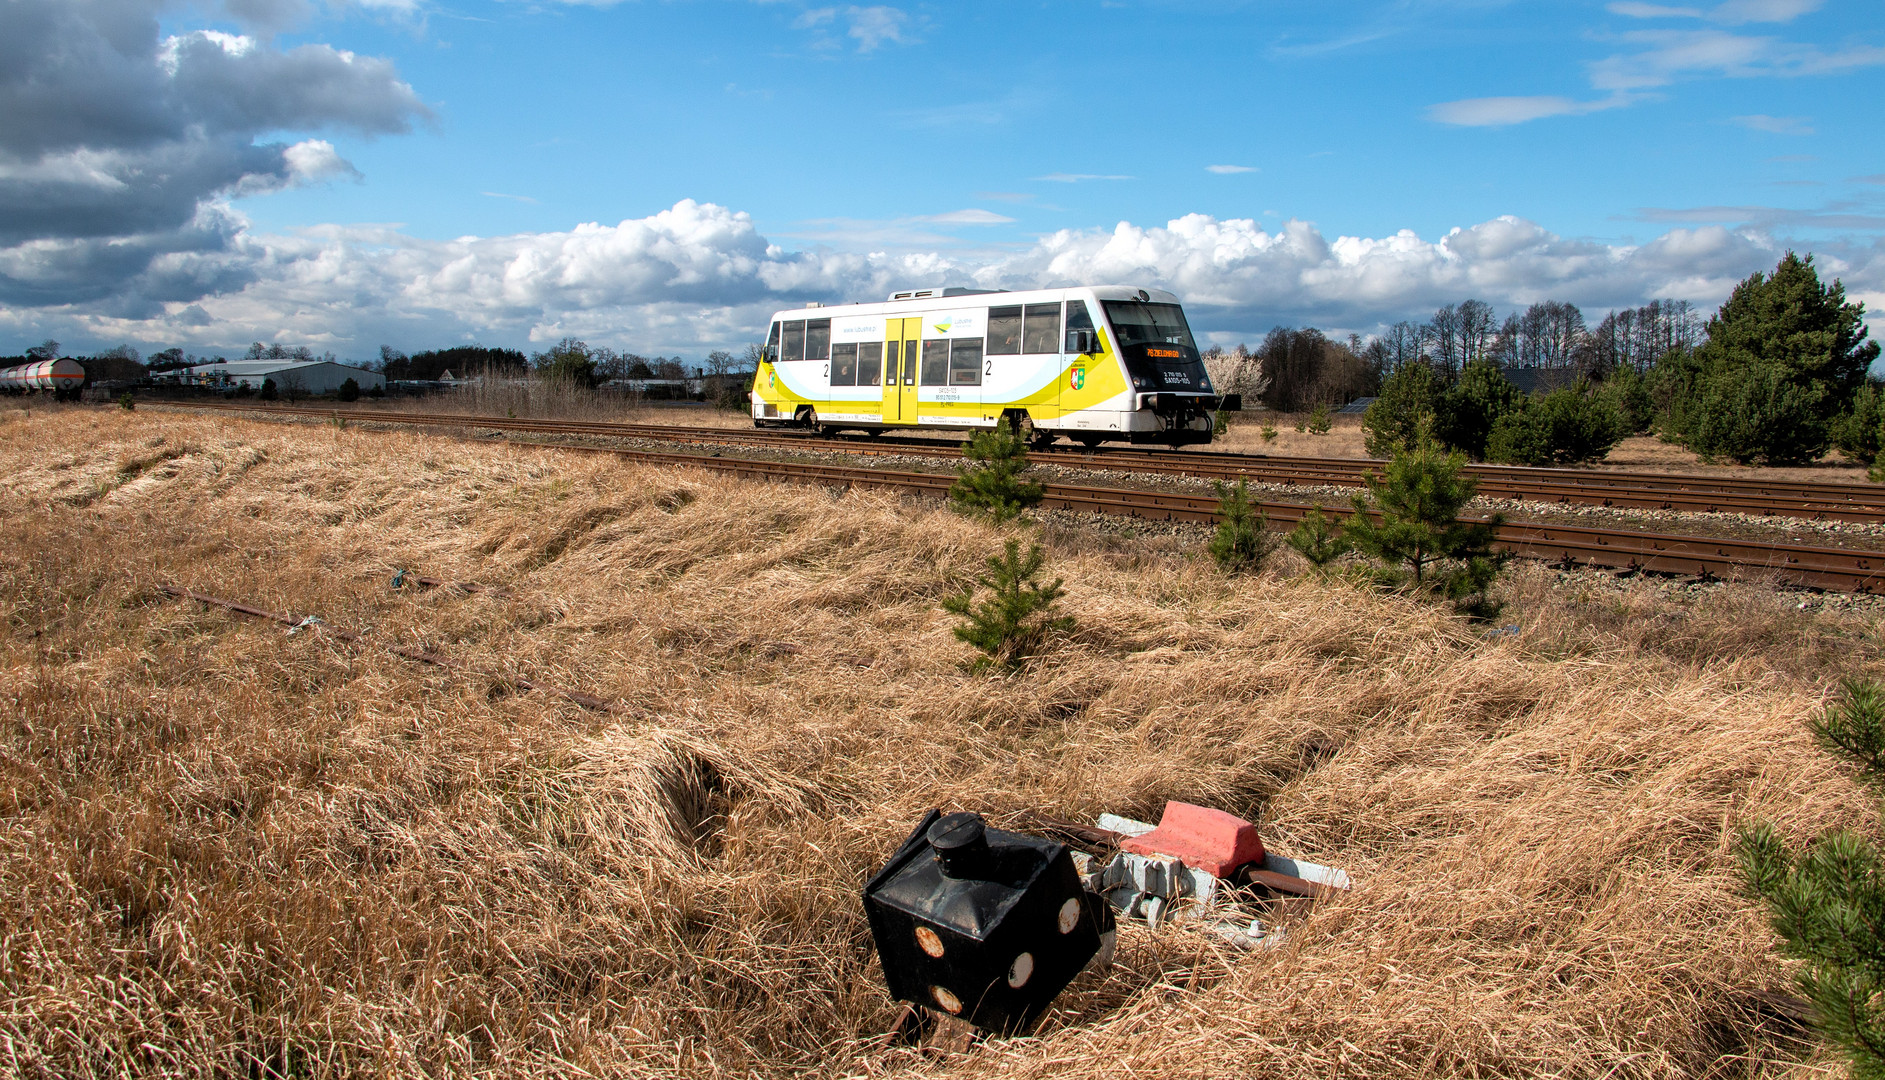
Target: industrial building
<point>311,377</point>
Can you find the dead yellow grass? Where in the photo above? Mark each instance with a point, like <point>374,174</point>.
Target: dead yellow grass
<point>228,849</point>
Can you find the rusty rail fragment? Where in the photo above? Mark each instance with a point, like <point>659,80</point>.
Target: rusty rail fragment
<point>587,701</point>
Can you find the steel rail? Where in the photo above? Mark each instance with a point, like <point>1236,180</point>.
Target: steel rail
<point>1545,487</point>
<point>1833,569</point>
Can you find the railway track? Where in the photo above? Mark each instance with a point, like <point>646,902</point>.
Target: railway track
<point>1541,487</point>
<point>1832,569</point>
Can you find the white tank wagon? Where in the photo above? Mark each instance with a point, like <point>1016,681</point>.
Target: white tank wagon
<point>62,374</point>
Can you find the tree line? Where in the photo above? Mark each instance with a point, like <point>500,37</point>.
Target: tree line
<point>1778,375</point>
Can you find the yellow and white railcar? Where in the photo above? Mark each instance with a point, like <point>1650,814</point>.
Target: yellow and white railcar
<point>1094,363</point>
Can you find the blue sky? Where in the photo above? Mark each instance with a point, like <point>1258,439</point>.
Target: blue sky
<point>734,157</point>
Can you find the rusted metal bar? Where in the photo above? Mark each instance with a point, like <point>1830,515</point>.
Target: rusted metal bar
<point>1285,883</point>
<point>587,701</point>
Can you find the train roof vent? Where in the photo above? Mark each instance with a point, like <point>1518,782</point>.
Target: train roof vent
<point>925,294</point>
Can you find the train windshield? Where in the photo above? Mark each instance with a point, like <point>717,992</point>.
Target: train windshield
<point>1148,324</point>
<point>1157,346</point>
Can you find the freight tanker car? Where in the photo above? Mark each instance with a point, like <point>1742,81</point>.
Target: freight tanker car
<point>1093,363</point>
<point>62,376</point>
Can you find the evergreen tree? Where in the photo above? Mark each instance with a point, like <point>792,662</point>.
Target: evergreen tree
<point>1757,412</point>
<point>1857,433</point>
<point>1012,623</point>
<point>1420,539</point>
<point>1827,902</point>
<point>1627,391</point>
<point>1243,540</point>
<point>1315,538</point>
<point>568,361</point>
<point>1319,422</point>
<point>1781,362</point>
<point>1470,408</point>
<point>1789,318</point>
<point>349,390</point>
<point>990,484</point>
<point>1410,398</point>
<point>1564,427</point>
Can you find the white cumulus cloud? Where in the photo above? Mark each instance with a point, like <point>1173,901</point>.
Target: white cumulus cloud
<point>698,276</point>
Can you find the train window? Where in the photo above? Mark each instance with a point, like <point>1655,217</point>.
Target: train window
<point>1040,333</point>
<point>965,363</point>
<point>817,339</point>
<point>794,348</point>
<point>1078,318</point>
<point>909,363</point>
<point>936,362</point>
<point>1004,331</point>
<point>870,363</point>
<point>772,343</point>
<point>844,365</point>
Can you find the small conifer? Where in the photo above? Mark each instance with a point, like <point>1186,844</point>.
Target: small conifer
<point>1269,432</point>
<point>1013,622</point>
<point>1315,538</point>
<point>1827,902</point>
<point>990,485</point>
<point>1319,422</point>
<point>1243,540</point>
<point>126,401</point>
<point>1420,539</point>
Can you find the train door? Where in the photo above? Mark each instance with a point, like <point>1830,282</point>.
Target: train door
<point>903,337</point>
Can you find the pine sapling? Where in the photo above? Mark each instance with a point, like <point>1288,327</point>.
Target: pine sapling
<point>990,484</point>
<point>1319,422</point>
<point>1013,622</point>
<point>1419,539</point>
<point>1269,432</point>
<point>1243,540</point>
<point>1827,901</point>
<point>1316,538</point>
<point>126,401</point>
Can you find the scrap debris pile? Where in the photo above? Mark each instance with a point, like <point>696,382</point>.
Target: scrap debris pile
<point>988,926</point>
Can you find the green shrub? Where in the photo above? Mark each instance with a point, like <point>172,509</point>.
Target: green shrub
<point>1317,539</point>
<point>1857,432</point>
<point>1319,422</point>
<point>126,401</point>
<point>349,390</point>
<point>1420,540</point>
<point>1470,408</point>
<point>269,393</point>
<point>1627,391</point>
<point>1827,901</point>
<point>1782,360</point>
<point>990,484</point>
<point>1013,623</point>
<point>1757,412</point>
<point>1409,402</point>
<point>1564,427</point>
<point>1243,540</point>
<point>1268,431</point>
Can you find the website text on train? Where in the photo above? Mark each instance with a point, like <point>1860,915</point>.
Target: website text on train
<point>1094,363</point>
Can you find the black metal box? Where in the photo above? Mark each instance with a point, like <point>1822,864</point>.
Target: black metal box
<point>979,923</point>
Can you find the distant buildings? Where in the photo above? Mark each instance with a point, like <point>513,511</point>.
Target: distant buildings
<point>311,377</point>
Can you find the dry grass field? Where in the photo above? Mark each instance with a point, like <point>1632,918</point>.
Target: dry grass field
<point>230,850</point>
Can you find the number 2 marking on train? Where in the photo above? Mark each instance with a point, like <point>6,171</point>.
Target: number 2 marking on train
<point>989,368</point>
